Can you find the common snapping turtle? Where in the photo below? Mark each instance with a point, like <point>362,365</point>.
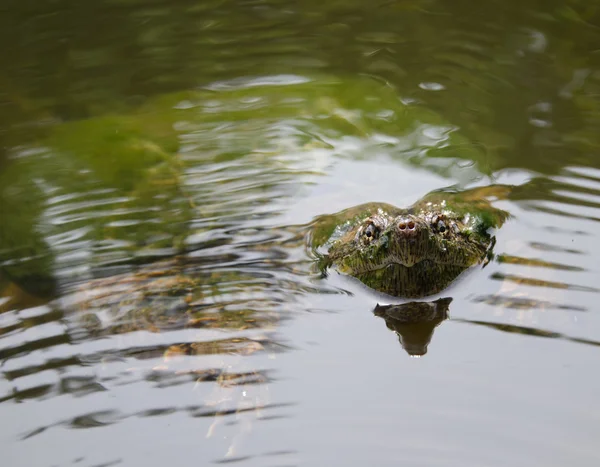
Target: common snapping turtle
<point>412,252</point>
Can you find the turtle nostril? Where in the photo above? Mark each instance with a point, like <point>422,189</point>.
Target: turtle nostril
<point>411,225</point>
<point>402,226</point>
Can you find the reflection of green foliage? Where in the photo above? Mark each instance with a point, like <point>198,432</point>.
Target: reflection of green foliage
<point>128,151</point>
<point>116,148</point>
<point>476,203</point>
<point>21,118</point>
<point>136,154</point>
<point>24,255</point>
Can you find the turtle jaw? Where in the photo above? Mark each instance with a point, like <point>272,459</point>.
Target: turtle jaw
<point>421,280</point>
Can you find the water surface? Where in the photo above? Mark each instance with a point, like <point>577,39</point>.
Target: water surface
<point>160,166</point>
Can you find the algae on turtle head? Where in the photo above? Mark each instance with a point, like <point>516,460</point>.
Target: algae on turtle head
<point>412,252</point>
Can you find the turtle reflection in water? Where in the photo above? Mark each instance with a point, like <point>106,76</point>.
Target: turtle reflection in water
<point>414,322</point>
<point>412,252</point>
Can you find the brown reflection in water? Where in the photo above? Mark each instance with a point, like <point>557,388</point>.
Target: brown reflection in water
<point>524,303</point>
<point>171,295</point>
<point>13,295</point>
<point>162,377</point>
<point>534,262</point>
<point>37,392</point>
<point>170,298</point>
<point>528,331</point>
<point>414,322</point>
<point>43,343</point>
<point>541,283</point>
<point>109,417</point>
<point>560,212</point>
<point>546,247</point>
<point>162,297</point>
<point>220,376</point>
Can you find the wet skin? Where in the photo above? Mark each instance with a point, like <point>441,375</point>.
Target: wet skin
<point>413,252</point>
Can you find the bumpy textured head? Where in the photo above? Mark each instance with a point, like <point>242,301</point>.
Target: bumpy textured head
<point>408,253</point>
<point>408,239</point>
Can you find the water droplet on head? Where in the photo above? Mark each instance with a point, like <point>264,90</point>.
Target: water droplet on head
<point>430,86</point>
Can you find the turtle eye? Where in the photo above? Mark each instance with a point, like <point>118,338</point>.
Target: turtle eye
<point>438,224</point>
<point>371,232</point>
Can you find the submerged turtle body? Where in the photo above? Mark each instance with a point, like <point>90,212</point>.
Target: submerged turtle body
<point>412,252</point>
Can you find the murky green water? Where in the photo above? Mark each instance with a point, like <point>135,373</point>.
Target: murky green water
<point>159,165</point>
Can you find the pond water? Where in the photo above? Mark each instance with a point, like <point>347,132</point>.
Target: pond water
<point>161,166</point>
